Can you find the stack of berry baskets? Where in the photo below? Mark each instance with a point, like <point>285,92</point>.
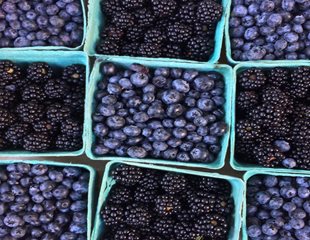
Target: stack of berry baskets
<point>158,121</point>
<point>42,103</point>
<point>276,205</point>
<point>42,25</point>
<point>123,182</point>
<point>270,122</point>
<point>161,30</point>
<point>48,200</point>
<point>267,31</point>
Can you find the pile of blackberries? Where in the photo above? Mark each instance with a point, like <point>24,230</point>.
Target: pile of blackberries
<point>273,117</point>
<point>166,113</point>
<point>41,107</point>
<point>147,204</point>
<point>270,29</point>
<point>159,28</point>
<point>278,207</point>
<point>43,202</point>
<point>41,23</point>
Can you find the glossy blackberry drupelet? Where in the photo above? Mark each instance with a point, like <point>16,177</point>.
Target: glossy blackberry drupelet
<point>280,114</point>
<point>164,113</point>
<point>277,206</point>
<point>43,106</point>
<point>167,215</point>
<point>41,203</point>
<point>157,25</point>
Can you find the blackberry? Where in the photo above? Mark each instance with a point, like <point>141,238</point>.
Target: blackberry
<point>143,195</point>
<point>185,215</point>
<point>67,143</point>
<point>152,237</point>
<point>247,100</point>
<point>75,101</point>
<point>9,72</point>
<point>199,48</point>
<point>201,205</point>
<point>135,34</point>
<point>127,234</point>
<point>268,155</point>
<point>178,32</point>
<point>150,180</point>
<point>172,51</point>
<point>204,30</point>
<point>300,83</point>
<point>113,215</point>
<point>214,185</point>
<point>33,92</point>
<point>109,7</point>
<point>113,33</point>
<point>72,128</point>
<point>57,112</point>
<point>56,89</point>
<point>265,138</point>
<point>185,231</point>
<point>301,111</point>
<point>209,11</point>
<point>252,79</point>
<point>30,112</point>
<point>302,156</point>
<point>16,133</point>
<point>163,8</point>
<point>75,74</point>
<point>164,227</point>
<point>37,142</point>
<point>154,35</point>
<point>301,132</point>
<point>173,183</point>
<point>123,19</point>
<point>130,49</point>
<point>120,195</point>
<point>212,226</point>
<point>108,47</point>
<point>274,95</point>
<point>247,130</point>
<point>149,50</point>
<point>46,127</point>
<point>137,216</point>
<point>281,130</point>
<point>187,13</point>
<point>267,115</point>
<point>244,147</point>
<point>127,175</point>
<point>6,118</point>
<point>167,205</point>
<point>279,77</point>
<point>4,144</point>
<point>133,3</point>
<point>39,72</point>
<point>7,98</point>
<point>144,17</point>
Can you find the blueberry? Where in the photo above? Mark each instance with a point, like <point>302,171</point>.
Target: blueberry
<point>12,220</point>
<point>303,234</point>
<point>132,131</point>
<point>254,231</point>
<point>291,37</point>
<point>199,154</point>
<point>218,129</point>
<point>80,187</point>
<point>269,229</point>
<point>78,228</point>
<point>256,53</point>
<point>68,236</point>
<point>270,181</point>
<point>76,196</point>
<point>183,157</point>
<point>190,74</point>
<point>275,203</point>
<point>280,44</point>
<point>263,215</point>
<point>136,152</point>
<point>181,85</point>
<point>298,214</point>
<point>239,11</point>
<point>267,6</point>
<point>234,22</point>
<point>251,33</point>
<point>297,223</point>
<point>303,192</point>
<point>274,20</point>
<point>306,206</point>
<point>74,9</point>
<point>39,169</point>
<point>139,79</point>
<point>9,7</point>
<point>115,122</point>
<point>261,19</point>
<point>288,5</point>
<point>282,145</point>
<point>18,232</point>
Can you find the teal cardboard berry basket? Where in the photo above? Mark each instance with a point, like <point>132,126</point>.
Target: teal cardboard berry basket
<point>96,76</point>
<point>228,44</point>
<point>108,182</point>
<point>91,185</point>
<point>252,173</point>
<point>237,69</point>
<point>49,48</point>
<point>56,59</point>
<point>96,21</point>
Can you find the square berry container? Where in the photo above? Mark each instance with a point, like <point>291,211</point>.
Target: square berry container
<point>96,20</point>
<point>228,43</point>
<point>57,59</point>
<point>252,173</point>
<point>53,48</point>
<point>240,67</point>
<point>91,185</point>
<point>96,76</point>
<point>107,183</point>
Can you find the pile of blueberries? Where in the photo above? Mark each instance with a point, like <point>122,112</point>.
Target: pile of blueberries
<point>166,113</point>
<point>270,29</point>
<point>278,207</point>
<point>43,202</point>
<point>41,23</point>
